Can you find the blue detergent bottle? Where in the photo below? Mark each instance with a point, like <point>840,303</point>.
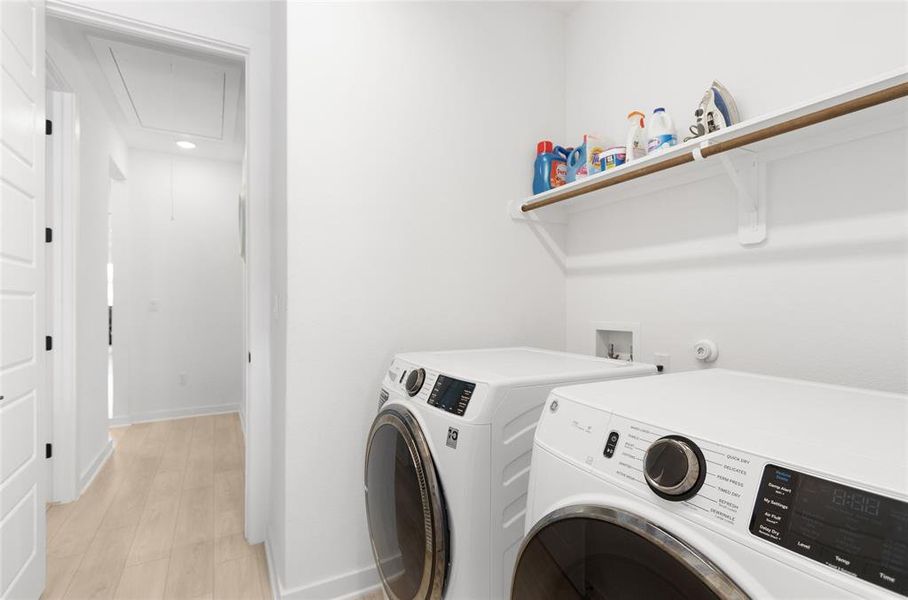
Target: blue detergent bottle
<point>551,167</point>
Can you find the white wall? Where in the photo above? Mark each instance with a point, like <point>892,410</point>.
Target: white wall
<point>236,26</point>
<point>816,48</point>
<point>178,288</point>
<point>825,297</point>
<point>99,144</point>
<point>409,126</point>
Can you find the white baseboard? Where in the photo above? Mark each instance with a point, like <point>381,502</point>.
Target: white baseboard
<point>347,586</point>
<point>242,414</point>
<point>174,413</point>
<point>89,474</point>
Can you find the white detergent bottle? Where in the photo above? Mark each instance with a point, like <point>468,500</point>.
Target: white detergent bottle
<point>661,131</point>
<point>635,142</point>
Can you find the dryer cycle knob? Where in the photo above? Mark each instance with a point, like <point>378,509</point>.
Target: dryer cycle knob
<point>414,381</point>
<point>674,468</point>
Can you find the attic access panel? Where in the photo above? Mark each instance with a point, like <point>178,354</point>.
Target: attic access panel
<point>167,92</point>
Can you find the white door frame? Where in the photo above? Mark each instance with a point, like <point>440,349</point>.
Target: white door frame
<point>257,446</point>
<point>64,167</point>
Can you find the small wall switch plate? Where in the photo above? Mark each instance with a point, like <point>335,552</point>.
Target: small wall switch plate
<point>182,378</point>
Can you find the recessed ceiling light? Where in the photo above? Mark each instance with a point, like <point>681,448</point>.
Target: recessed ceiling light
<point>185,144</point>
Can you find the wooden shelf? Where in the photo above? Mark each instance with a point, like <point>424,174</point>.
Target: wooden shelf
<point>740,152</point>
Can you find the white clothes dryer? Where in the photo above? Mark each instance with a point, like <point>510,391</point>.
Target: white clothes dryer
<point>717,484</point>
<point>447,464</point>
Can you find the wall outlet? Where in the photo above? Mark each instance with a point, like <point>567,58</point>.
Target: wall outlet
<point>182,378</point>
<point>664,360</point>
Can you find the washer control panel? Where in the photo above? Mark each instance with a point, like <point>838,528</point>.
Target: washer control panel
<point>452,395</point>
<point>855,531</point>
<point>428,386</point>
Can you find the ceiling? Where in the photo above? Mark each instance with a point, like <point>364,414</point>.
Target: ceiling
<point>157,94</point>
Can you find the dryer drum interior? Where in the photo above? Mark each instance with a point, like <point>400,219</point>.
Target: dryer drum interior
<point>593,552</point>
<point>405,508</point>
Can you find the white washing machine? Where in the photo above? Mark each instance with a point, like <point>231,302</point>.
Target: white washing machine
<point>447,464</point>
<point>717,484</point>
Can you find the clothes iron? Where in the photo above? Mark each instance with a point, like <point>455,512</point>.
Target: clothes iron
<point>717,111</point>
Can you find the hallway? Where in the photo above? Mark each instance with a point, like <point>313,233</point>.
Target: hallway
<point>163,519</point>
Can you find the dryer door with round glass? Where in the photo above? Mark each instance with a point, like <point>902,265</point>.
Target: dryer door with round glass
<point>596,552</point>
<point>405,508</point>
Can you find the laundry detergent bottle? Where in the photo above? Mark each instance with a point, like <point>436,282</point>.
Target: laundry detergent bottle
<point>551,167</point>
<point>635,144</point>
<point>661,131</point>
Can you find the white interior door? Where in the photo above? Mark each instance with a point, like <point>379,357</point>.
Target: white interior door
<point>22,518</point>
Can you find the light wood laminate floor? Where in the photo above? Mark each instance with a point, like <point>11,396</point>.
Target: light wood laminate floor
<point>162,519</point>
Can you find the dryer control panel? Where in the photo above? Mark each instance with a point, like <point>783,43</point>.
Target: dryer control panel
<point>726,479</point>
<point>855,531</point>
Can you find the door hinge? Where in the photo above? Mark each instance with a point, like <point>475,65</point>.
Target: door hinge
<point>250,357</point>
<point>48,343</point>
<point>48,235</point>
<point>48,450</point>
<point>48,127</point>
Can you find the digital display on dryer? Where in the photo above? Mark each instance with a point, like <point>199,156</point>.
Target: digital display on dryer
<point>451,394</point>
<point>857,532</point>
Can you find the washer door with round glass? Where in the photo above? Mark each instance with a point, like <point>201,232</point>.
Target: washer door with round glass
<point>405,508</point>
<point>593,552</point>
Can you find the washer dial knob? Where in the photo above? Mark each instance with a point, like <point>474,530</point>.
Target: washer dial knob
<point>414,381</point>
<point>674,468</point>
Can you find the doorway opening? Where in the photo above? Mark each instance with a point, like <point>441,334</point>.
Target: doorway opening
<point>115,193</point>
<point>160,350</point>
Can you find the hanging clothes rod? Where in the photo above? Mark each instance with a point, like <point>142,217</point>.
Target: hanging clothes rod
<point>813,118</point>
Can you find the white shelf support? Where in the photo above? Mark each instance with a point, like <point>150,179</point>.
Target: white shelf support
<point>748,175</point>
<point>546,224</point>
